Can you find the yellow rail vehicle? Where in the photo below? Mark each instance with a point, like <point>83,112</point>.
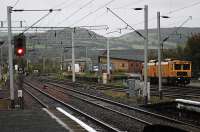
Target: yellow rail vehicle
<point>172,71</point>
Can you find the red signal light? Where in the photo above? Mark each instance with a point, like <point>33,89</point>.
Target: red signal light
<point>20,51</point>
<point>20,45</point>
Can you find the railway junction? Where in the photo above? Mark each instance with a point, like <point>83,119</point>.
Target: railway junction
<point>50,104</point>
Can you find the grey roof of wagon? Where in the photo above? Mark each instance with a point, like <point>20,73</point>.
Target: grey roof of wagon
<point>132,54</point>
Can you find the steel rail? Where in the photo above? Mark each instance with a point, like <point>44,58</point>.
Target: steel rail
<point>105,125</point>
<point>37,99</point>
<point>106,108</point>
<point>130,107</point>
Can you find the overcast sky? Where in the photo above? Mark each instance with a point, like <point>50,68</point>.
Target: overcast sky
<point>178,10</point>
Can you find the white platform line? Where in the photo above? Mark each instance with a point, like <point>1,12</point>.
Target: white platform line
<point>59,121</point>
<point>85,126</point>
<point>191,102</point>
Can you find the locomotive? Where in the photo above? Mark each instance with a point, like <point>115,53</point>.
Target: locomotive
<point>172,71</point>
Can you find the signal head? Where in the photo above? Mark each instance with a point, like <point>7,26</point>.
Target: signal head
<point>20,51</point>
<point>20,45</point>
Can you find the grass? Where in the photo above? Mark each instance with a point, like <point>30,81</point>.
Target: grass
<point>2,84</point>
<point>60,76</point>
<point>135,99</point>
<point>119,95</point>
<point>115,94</point>
<point>88,74</point>
<point>4,104</point>
<point>123,96</point>
<point>195,81</point>
<point>156,99</point>
<point>117,84</point>
<point>119,74</point>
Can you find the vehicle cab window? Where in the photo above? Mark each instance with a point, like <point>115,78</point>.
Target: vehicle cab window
<point>177,66</point>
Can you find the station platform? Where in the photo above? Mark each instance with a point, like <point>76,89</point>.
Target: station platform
<point>34,119</point>
<point>28,121</point>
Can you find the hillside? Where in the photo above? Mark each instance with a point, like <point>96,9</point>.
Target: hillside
<point>88,43</point>
<point>177,38</point>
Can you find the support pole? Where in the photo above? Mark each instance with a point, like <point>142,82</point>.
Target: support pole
<point>146,52</point>
<point>108,58</point>
<point>159,56</point>
<point>73,57</point>
<point>44,64</point>
<point>1,64</point>
<point>21,25</point>
<point>44,55</point>
<point>86,60</point>
<point>1,24</point>
<point>61,56</point>
<point>20,82</point>
<point>10,56</point>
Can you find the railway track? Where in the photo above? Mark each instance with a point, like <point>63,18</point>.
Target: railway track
<point>187,92</point>
<point>125,111</point>
<point>92,85</point>
<point>49,101</point>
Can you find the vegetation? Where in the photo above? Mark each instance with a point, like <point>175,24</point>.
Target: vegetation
<point>118,84</point>
<point>135,99</point>
<point>192,52</point>
<point>88,74</point>
<point>50,66</point>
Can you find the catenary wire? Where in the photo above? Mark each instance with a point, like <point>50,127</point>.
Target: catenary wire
<point>15,3</point>
<point>60,4</point>
<point>76,11</point>
<point>185,7</point>
<point>37,21</point>
<point>129,4</point>
<point>171,12</point>
<point>73,2</point>
<point>90,13</point>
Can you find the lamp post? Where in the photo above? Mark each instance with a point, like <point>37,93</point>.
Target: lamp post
<point>73,56</point>
<point>159,55</point>
<point>145,49</point>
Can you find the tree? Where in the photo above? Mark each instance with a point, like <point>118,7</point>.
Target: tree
<point>169,53</point>
<point>192,52</point>
<point>180,52</point>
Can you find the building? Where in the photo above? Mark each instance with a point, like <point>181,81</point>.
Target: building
<point>129,61</point>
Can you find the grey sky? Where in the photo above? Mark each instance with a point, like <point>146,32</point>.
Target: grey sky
<point>122,7</point>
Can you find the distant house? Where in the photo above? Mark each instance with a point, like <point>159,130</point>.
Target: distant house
<point>129,61</point>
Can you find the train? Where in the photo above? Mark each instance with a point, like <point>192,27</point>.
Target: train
<point>173,71</point>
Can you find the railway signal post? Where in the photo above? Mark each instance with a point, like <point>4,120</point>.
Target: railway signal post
<point>19,50</point>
